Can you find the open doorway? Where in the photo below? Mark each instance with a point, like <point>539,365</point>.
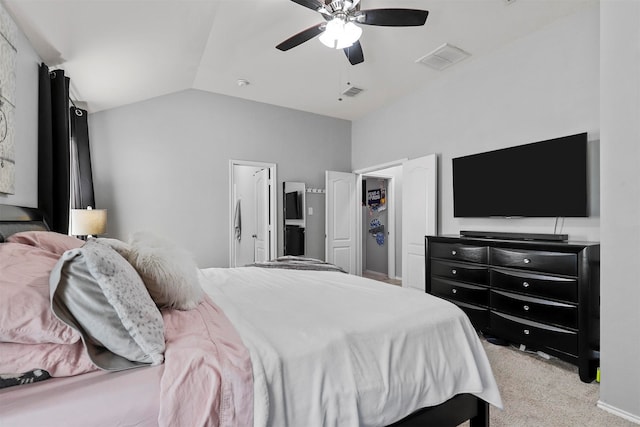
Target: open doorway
<point>380,192</point>
<point>252,212</point>
<point>417,200</point>
<point>375,227</point>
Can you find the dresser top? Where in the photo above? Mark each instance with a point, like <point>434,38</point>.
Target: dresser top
<point>515,242</point>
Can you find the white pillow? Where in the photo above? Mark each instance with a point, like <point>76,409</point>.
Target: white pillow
<point>98,293</point>
<point>168,271</point>
<point>117,245</point>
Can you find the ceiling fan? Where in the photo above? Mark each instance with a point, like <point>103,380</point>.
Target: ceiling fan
<point>340,30</point>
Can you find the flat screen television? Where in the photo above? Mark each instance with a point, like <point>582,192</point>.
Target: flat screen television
<point>293,205</point>
<point>541,179</point>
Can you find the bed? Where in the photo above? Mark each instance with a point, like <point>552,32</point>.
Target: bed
<point>279,346</point>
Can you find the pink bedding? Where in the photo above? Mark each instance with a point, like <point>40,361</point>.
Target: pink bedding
<point>97,399</point>
<point>208,379</point>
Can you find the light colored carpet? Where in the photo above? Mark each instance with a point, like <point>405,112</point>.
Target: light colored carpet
<point>381,277</point>
<point>539,392</point>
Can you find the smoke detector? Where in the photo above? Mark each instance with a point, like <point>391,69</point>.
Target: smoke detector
<point>443,57</point>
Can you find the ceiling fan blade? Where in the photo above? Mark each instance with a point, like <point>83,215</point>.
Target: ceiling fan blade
<point>301,37</point>
<point>311,4</point>
<point>354,53</point>
<point>392,17</point>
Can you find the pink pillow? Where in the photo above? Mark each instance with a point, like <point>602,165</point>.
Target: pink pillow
<point>25,310</point>
<point>47,240</point>
<point>59,360</point>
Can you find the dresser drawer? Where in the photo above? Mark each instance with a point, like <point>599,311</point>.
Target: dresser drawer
<point>549,262</point>
<point>532,333</point>
<point>535,308</point>
<point>536,284</point>
<point>462,292</point>
<point>461,252</point>
<point>463,272</point>
<point>478,316</point>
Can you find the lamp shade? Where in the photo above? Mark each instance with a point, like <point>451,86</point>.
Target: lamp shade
<point>88,222</point>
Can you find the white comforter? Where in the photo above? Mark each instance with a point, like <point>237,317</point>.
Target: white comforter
<point>331,349</point>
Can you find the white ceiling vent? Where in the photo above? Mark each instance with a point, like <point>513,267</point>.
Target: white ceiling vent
<point>352,91</point>
<point>443,57</point>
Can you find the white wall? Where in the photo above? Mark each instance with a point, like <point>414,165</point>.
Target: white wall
<point>162,165</point>
<point>26,127</point>
<point>620,136</point>
<point>542,86</point>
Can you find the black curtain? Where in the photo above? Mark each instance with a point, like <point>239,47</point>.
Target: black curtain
<point>81,175</point>
<point>54,151</point>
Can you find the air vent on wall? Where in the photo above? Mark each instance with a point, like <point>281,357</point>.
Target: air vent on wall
<point>352,91</point>
<point>443,57</point>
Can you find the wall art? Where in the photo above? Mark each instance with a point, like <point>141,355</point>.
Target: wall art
<point>8,54</point>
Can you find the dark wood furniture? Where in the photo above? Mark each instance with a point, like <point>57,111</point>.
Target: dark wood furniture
<point>14,219</point>
<point>545,295</point>
<point>451,413</point>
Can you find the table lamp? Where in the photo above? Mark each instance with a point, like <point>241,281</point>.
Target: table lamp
<point>88,222</point>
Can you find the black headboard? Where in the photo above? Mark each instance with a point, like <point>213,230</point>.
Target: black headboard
<point>14,219</point>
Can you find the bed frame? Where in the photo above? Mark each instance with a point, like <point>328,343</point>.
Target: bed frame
<point>453,412</point>
<point>16,218</point>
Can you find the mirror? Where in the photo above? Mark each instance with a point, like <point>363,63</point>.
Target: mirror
<point>294,206</point>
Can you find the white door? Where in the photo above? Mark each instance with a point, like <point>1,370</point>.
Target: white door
<point>262,229</point>
<point>419,216</point>
<point>340,226</point>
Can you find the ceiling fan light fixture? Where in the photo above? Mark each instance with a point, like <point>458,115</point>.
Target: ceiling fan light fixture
<point>340,34</point>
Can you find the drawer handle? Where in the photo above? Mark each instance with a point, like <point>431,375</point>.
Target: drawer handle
<point>453,252</point>
<point>525,284</point>
<point>526,308</point>
<point>454,290</point>
<point>527,260</point>
<point>526,332</point>
<point>454,271</point>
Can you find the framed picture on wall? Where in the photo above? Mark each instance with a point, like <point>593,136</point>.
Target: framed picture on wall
<point>8,54</point>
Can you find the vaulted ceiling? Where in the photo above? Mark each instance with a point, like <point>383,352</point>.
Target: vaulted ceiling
<point>119,52</point>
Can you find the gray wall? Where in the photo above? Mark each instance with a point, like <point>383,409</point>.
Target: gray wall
<point>620,146</point>
<point>162,165</point>
<point>26,127</point>
<point>538,87</point>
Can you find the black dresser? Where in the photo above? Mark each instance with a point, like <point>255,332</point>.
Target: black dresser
<point>545,295</point>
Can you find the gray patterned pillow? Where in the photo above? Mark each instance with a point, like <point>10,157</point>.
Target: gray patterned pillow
<point>96,291</point>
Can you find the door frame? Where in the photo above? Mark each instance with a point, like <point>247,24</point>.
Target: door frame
<point>273,206</point>
<point>391,218</point>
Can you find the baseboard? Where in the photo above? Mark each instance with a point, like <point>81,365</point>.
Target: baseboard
<point>618,412</point>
